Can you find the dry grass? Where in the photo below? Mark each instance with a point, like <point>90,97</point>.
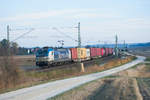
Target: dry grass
<point>10,74</point>
<point>102,89</point>
<point>32,77</point>
<point>111,64</point>
<point>80,93</point>
<point>140,71</point>
<point>28,60</point>
<point>75,71</point>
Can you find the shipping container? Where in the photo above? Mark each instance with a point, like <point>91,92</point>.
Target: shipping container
<point>74,54</point>
<point>98,52</point>
<point>110,51</point>
<point>93,52</point>
<point>88,54</point>
<point>102,52</point>
<point>106,51</point>
<point>83,54</point>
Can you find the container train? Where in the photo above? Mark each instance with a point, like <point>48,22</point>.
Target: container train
<point>54,56</point>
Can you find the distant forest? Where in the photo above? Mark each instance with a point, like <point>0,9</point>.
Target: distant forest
<point>14,48</point>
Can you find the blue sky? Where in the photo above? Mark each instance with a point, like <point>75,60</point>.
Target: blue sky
<point>100,21</point>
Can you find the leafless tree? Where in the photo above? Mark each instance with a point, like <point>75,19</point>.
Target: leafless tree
<point>9,72</point>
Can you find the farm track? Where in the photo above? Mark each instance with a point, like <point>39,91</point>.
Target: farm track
<point>86,64</point>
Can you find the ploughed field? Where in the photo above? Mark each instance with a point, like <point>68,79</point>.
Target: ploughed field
<point>143,51</point>
<point>131,84</point>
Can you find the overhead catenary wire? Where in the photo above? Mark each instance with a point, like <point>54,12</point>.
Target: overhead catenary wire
<point>60,32</point>
<point>39,28</point>
<point>68,36</point>
<point>23,34</point>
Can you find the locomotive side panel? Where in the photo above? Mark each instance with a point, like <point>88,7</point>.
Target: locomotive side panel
<point>62,55</point>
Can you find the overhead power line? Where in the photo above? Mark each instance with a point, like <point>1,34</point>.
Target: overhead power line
<point>20,29</point>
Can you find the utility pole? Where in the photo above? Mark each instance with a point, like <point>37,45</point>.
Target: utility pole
<point>8,49</point>
<point>124,45</point>
<point>116,46</point>
<point>79,49</point>
<point>79,37</point>
<point>79,42</point>
<point>8,33</point>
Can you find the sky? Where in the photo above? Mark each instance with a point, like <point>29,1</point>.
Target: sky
<point>45,22</point>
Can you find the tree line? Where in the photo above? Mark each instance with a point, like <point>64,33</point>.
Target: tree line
<point>13,48</point>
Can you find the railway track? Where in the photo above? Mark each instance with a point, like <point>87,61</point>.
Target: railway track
<point>73,64</point>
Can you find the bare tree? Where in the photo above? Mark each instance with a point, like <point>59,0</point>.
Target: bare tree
<point>9,71</point>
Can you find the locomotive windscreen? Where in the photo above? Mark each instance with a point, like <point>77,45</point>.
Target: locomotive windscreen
<point>42,53</point>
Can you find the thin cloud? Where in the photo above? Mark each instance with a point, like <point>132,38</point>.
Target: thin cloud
<point>93,15</point>
<point>67,13</point>
<point>42,15</point>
